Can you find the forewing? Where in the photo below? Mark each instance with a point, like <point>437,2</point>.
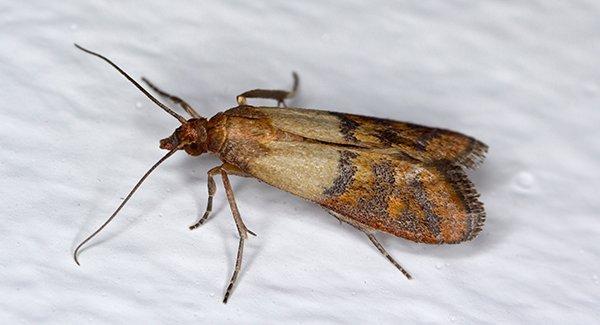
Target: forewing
<point>428,145</point>
<point>423,203</point>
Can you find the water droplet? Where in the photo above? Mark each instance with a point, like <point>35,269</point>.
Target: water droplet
<point>523,181</point>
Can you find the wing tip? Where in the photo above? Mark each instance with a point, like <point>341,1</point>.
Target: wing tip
<point>469,195</point>
<point>475,156</point>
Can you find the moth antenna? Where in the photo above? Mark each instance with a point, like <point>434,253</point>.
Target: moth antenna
<point>123,203</point>
<point>135,83</point>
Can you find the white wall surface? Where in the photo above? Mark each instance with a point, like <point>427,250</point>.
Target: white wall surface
<point>521,76</point>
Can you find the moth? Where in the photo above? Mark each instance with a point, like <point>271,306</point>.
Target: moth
<point>375,174</point>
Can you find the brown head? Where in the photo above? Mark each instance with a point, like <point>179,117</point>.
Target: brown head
<point>190,136</point>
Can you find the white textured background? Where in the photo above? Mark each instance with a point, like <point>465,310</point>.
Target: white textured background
<point>522,76</point>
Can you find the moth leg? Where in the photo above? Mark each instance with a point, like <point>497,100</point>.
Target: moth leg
<point>212,189</point>
<point>373,239</point>
<point>385,253</point>
<point>174,99</point>
<point>278,95</point>
<point>242,232</point>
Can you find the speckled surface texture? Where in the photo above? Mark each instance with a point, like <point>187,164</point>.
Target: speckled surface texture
<point>521,76</point>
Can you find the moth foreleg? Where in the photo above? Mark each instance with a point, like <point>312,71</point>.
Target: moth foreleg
<point>175,99</point>
<point>373,239</point>
<point>279,95</point>
<point>242,231</point>
<point>212,189</point>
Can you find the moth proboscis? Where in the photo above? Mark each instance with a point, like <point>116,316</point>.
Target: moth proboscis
<point>375,174</point>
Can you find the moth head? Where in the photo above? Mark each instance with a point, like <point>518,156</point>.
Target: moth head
<point>191,136</point>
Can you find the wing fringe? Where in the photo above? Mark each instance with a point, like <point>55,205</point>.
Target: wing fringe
<point>466,190</point>
<point>475,156</point>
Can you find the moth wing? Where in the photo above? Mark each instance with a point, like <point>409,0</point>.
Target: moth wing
<point>428,145</point>
<point>423,203</point>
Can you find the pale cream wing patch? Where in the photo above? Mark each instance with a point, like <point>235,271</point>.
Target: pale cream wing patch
<point>301,168</point>
<point>312,124</point>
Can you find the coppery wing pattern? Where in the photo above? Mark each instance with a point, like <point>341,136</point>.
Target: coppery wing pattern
<point>427,198</point>
<point>423,203</point>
